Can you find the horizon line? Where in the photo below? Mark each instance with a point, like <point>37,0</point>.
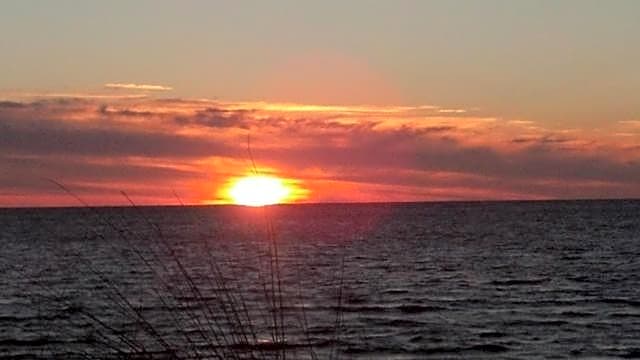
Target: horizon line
<point>348,203</point>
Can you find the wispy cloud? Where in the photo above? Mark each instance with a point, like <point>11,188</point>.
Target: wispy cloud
<point>72,95</point>
<point>632,123</point>
<point>520,122</point>
<point>132,86</point>
<point>452,111</point>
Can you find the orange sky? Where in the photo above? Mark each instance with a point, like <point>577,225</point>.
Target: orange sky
<point>348,101</point>
<point>152,147</point>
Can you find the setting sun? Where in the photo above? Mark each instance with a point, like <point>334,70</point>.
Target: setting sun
<point>258,191</point>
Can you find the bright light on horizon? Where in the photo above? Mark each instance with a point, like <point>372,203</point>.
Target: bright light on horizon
<point>259,190</point>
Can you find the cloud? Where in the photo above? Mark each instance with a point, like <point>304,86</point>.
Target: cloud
<point>72,95</point>
<point>40,137</point>
<point>132,86</point>
<point>549,139</point>
<point>452,111</point>
<point>25,172</point>
<point>215,118</point>
<point>630,122</point>
<point>11,105</point>
<point>372,153</point>
<point>520,122</point>
<point>404,150</point>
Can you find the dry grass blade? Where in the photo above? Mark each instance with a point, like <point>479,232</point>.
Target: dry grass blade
<point>209,317</point>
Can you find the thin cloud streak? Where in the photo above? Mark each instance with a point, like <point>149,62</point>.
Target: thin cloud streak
<point>10,96</point>
<point>132,86</point>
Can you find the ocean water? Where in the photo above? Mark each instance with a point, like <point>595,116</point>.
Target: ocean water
<point>495,280</point>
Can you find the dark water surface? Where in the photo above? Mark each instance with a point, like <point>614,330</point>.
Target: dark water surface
<point>405,281</point>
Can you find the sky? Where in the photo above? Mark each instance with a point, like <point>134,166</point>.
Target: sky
<point>347,101</point>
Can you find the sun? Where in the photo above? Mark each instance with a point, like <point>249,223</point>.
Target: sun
<point>258,190</point>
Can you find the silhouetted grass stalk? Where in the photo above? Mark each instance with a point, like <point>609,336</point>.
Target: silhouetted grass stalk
<point>220,326</point>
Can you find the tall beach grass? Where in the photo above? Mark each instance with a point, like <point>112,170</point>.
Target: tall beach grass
<point>178,309</point>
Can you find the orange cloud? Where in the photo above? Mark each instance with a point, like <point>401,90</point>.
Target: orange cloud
<point>152,147</point>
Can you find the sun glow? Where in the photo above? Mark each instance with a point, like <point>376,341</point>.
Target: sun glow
<point>259,190</point>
